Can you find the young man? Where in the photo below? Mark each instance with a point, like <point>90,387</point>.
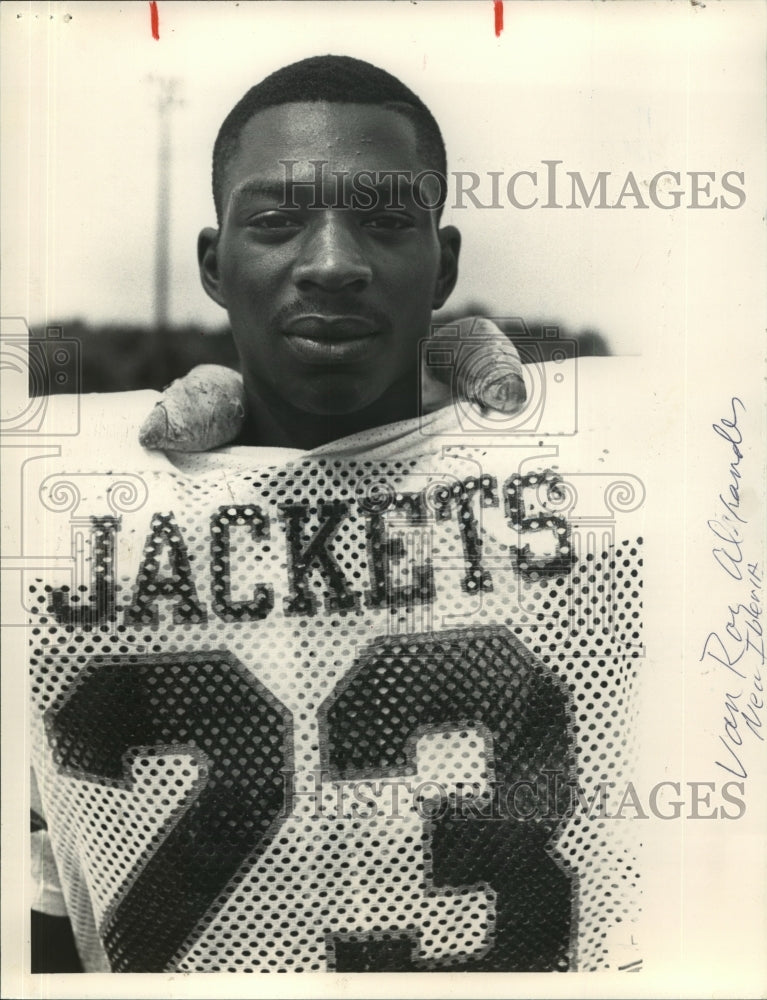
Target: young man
<point>316,701</point>
<point>327,304</point>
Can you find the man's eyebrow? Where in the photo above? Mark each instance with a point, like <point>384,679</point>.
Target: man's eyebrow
<point>261,188</point>
<point>389,192</point>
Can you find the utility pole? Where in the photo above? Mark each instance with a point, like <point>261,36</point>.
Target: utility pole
<point>167,100</point>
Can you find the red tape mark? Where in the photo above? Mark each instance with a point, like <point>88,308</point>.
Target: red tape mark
<point>498,11</point>
<point>154,17</point>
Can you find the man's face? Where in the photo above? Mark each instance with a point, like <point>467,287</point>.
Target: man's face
<point>328,296</point>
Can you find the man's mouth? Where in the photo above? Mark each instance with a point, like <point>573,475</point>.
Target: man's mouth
<point>324,338</point>
<point>327,326</point>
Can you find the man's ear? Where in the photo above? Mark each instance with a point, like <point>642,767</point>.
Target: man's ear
<point>450,243</point>
<point>207,259</point>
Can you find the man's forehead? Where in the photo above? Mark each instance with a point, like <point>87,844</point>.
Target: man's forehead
<point>347,136</point>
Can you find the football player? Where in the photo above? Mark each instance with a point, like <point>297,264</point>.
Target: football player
<point>331,697</point>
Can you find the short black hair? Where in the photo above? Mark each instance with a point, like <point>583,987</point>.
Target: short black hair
<point>336,79</point>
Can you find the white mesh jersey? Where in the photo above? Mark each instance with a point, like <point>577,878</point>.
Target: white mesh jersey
<point>334,711</point>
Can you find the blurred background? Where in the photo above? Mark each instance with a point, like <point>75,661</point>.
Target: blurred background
<point>109,132</point>
<point>118,357</point>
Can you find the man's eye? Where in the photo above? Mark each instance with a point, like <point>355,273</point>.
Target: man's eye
<point>390,221</point>
<point>272,221</point>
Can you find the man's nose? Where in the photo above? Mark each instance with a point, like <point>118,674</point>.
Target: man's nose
<point>331,257</point>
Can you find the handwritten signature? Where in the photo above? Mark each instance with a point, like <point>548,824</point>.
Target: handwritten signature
<point>739,647</point>
<point>725,527</point>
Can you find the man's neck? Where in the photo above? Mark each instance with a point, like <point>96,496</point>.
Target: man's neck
<point>276,423</point>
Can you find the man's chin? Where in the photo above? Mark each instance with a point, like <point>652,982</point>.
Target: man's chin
<point>348,401</point>
<point>335,402</point>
